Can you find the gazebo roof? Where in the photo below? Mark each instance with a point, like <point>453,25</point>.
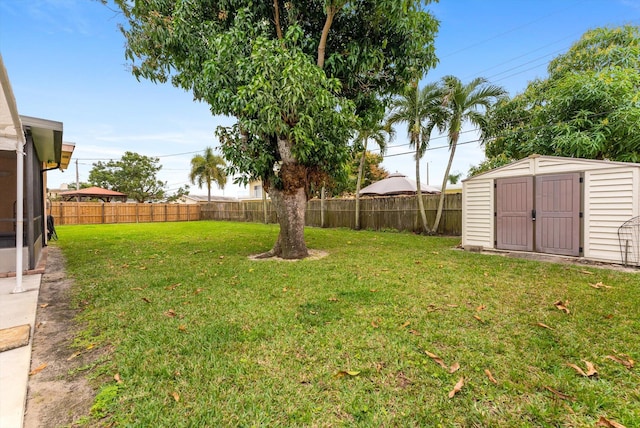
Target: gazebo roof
<point>396,184</point>
<point>94,192</point>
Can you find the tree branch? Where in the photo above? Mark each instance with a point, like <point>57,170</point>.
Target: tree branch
<point>332,9</point>
<point>276,13</point>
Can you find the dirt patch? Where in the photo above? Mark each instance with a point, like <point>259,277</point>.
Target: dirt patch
<point>313,255</point>
<point>59,394</point>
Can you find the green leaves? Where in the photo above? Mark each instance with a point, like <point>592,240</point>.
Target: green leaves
<point>587,107</point>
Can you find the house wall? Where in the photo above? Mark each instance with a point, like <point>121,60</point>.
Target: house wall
<point>7,192</point>
<point>611,197</point>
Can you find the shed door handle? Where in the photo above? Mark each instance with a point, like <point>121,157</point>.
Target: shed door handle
<point>533,215</point>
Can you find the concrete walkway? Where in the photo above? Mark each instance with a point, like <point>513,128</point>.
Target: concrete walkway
<point>15,310</point>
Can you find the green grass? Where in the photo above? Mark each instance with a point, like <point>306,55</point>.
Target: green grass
<point>185,314</point>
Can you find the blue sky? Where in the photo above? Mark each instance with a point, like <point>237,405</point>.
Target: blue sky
<point>65,59</point>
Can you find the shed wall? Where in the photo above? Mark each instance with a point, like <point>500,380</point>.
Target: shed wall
<point>477,213</point>
<point>612,197</point>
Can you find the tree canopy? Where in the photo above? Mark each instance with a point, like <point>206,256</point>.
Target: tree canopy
<point>297,76</point>
<point>133,174</point>
<point>587,107</point>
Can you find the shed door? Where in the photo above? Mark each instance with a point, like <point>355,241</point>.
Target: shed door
<point>514,199</point>
<point>558,214</point>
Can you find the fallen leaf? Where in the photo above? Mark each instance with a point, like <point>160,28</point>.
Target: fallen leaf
<point>175,396</point>
<point>604,422</point>
<point>343,373</point>
<point>436,359</point>
<point>414,332</point>
<point>490,376</point>
<point>591,370</point>
<point>117,378</point>
<point>562,306</point>
<point>458,386</point>
<point>418,262</point>
<point>478,318</point>
<point>136,289</point>
<point>74,355</point>
<point>146,300</point>
<point>374,324</point>
<point>454,368</point>
<point>452,306</point>
<point>198,290</point>
<point>480,308</point>
<point>221,257</point>
<point>406,324</point>
<point>599,285</point>
<point>44,305</point>
<point>586,272</point>
<point>543,326</point>
<point>172,287</point>
<point>332,299</point>
<point>560,394</point>
<point>38,369</point>
<point>373,290</point>
<point>170,313</point>
<point>142,268</point>
<point>628,363</point>
<point>285,289</point>
<point>182,327</point>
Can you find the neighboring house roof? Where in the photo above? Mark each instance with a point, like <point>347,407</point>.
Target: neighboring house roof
<point>93,192</point>
<point>397,184</point>
<point>214,198</point>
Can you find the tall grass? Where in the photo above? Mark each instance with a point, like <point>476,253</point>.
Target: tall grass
<point>201,336</point>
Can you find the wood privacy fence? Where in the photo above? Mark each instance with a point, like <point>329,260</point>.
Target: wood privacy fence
<point>104,213</point>
<point>380,213</point>
<point>397,213</point>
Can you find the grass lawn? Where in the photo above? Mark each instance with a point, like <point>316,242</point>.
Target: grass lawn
<point>201,336</point>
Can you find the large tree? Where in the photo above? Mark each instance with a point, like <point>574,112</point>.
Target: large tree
<point>133,174</point>
<point>587,107</point>
<point>294,74</point>
<point>465,102</point>
<point>208,168</point>
<point>422,110</point>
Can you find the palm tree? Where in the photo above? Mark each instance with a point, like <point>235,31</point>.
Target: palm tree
<point>465,103</point>
<point>376,132</point>
<point>208,168</point>
<point>422,110</point>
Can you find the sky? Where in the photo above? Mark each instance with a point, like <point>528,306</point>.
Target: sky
<point>65,60</point>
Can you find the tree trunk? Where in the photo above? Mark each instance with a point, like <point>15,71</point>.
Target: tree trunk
<point>290,204</point>
<point>359,183</point>
<point>425,226</point>
<point>290,208</point>
<point>436,223</point>
<point>209,192</point>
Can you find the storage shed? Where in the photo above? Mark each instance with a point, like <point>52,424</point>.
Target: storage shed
<point>554,205</point>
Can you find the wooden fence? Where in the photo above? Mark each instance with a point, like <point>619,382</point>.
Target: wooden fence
<point>103,213</point>
<point>397,213</point>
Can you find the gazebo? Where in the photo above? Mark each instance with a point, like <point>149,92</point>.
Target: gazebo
<point>94,192</point>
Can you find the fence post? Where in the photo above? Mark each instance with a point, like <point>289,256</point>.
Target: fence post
<point>104,218</point>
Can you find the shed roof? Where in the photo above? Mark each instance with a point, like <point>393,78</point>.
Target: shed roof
<point>537,164</point>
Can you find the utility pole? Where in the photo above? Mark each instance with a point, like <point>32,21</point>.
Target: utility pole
<point>77,181</point>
